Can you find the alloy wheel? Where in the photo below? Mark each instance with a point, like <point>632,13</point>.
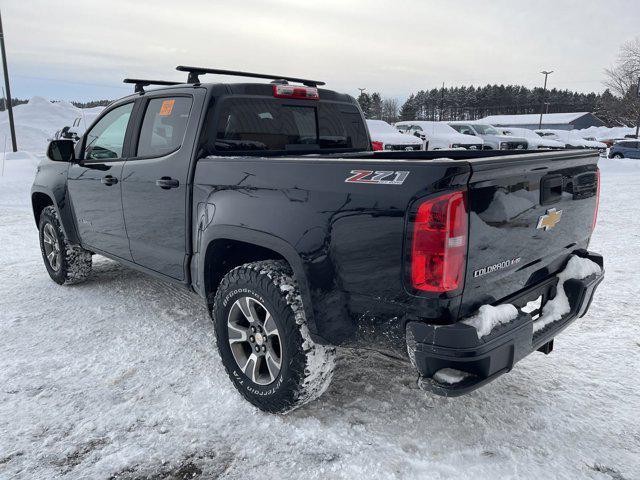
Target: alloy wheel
<point>254,340</point>
<point>51,247</point>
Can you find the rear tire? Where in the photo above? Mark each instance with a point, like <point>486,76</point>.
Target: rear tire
<point>263,339</point>
<point>617,155</point>
<point>66,264</point>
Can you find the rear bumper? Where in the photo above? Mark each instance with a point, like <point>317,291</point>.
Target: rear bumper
<point>457,346</point>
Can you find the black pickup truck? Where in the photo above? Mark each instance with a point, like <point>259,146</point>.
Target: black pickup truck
<point>266,199</point>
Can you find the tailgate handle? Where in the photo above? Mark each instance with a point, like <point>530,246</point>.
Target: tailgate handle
<point>551,189</point>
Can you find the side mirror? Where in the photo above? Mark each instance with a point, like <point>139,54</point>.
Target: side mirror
<point>61,151</point>
<point>417,134</point>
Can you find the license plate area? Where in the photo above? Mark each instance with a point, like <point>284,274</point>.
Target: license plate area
<point>533,308</point>
<point>532,301</point>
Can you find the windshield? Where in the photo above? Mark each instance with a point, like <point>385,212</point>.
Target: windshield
<point>379,126</point>
<point>485,129</point>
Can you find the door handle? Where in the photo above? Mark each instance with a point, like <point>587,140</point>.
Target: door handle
<point>167,182</point>
<point>109,180</point>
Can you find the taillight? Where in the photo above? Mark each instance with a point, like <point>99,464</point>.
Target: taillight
<point>439,244</point>
<point>377,146</point>
<point>291,91</point>
<point>595,214</point>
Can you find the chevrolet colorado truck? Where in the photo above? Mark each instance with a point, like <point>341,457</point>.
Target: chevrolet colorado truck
<point>267,200</point>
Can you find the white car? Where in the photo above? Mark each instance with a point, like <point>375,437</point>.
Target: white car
<point>535,141</point>
<point>491,137</point>
<point>439,136</point>
<point>594,143</point>
<point>570,139</point>
<point>385,137</point>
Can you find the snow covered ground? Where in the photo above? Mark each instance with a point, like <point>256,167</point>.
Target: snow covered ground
<point>119,378</point>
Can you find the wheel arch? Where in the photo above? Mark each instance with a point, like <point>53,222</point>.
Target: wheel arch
<point>39,201</point>
<point>228,247</point>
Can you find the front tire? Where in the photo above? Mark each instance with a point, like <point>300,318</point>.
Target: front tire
<point>66,264</point>
<point>617,155</point>
<point>263,339</point>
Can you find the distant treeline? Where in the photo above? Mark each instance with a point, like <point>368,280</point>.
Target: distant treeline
<point>91,104</point>
<point>471,103</point>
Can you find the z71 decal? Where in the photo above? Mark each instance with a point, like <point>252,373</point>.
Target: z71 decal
<point>378,177</point>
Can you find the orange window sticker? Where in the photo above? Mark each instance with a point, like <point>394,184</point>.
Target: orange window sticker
<point>166,108</point>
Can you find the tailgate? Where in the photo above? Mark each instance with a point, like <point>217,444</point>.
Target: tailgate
<point>527,213</point>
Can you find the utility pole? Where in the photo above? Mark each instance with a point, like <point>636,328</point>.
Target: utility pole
<point>544,91</point>
<point>638,122</point>
<point>442,103</point>
<point>6,85</point>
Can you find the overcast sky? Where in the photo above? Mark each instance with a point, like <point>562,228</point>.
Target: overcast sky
<point>82,49</point>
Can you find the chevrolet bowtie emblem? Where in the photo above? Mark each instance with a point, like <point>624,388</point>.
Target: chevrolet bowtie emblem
<point>549,219</point>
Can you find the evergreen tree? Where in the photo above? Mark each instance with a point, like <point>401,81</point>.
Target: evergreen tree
<point>365,104</point>
<point>376,106</point>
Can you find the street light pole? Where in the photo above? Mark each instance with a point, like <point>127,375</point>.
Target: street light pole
<point>638,122</point>
<point>12,127</point>
<point>544,91</point>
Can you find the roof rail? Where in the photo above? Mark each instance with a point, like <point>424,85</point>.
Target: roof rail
<point>195,72</point>
<point>140,83</point>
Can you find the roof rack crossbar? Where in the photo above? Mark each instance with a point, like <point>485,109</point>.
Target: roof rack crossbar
<point>195,72</point>
<point>141,83</point>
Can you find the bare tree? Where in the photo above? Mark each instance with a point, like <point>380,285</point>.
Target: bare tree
<point>390,110</point>
<point>623,76</point>
<point>622,80</point>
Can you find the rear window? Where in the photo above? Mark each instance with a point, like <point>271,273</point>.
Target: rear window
<point>270,125</point>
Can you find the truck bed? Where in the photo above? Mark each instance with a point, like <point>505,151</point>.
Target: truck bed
<point>350,231</point>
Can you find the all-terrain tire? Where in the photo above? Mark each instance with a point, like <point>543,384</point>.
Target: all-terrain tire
<point>306,367</point>
<point>72,263</point>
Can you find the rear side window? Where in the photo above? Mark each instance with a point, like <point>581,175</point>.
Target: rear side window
<point>264,124</point>
<point>163,126</point>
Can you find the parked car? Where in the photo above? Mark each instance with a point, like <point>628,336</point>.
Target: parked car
<point>385,137</point>
<point>592,142</point>
<point>491,137</point>
<point>534,141</point>
<point>266,200</point>
<point>564,136</point>
<point>439,136</point>
<point>625,149</point>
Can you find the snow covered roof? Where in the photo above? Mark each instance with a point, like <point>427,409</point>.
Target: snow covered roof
<point>533,118</point>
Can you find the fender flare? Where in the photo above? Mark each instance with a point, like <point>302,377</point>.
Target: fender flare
<point>265,240</point>
<point>62,208</point>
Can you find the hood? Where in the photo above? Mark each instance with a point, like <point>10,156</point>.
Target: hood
<point>546,142</point>
<point>395,138</point>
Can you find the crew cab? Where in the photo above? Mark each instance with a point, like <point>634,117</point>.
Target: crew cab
<point>439,136</point>
<point>491,137</point>
<point>386,137</point>
<point>266,200</point>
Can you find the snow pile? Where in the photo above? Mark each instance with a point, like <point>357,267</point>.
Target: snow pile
<point>39,119</point>
<point>489,317</point>
<point>450,376</point>
<point>577,268</point>
<point>606,133</point>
